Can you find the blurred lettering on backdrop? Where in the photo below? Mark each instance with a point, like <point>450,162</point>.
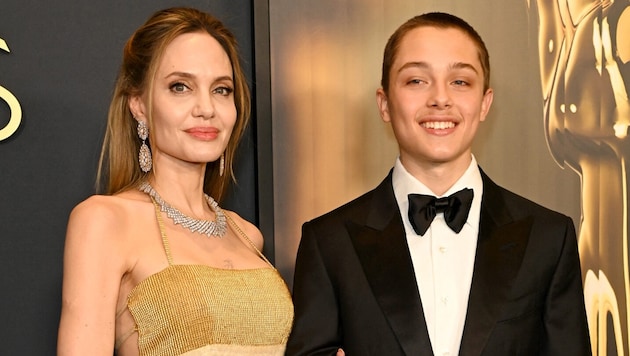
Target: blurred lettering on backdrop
<point>15,110</point>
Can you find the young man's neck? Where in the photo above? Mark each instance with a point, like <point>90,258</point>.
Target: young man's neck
<point>437,176</point>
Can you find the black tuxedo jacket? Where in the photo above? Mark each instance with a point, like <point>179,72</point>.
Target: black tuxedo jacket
<point>355,286</point>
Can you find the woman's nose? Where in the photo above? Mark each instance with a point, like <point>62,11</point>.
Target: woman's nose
<point>204,106</point>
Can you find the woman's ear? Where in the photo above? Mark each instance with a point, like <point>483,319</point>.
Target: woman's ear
<point>136,106</point>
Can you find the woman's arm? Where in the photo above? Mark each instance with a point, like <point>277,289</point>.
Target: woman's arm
<point>93,268</point>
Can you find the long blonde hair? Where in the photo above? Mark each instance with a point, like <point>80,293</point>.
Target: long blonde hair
<point>118,165</point>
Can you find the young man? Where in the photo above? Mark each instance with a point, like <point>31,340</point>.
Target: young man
<point>480,271</point>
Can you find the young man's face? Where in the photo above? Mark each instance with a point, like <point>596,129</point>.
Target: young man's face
<point>436,98</point>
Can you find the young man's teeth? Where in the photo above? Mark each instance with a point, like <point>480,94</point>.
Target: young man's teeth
<point>439,125</point>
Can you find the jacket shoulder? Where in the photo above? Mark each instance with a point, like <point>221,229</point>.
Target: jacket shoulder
<point>372,208</point>
<point>516,205</point>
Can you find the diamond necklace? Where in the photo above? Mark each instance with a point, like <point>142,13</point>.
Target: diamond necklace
<point>209,228</point>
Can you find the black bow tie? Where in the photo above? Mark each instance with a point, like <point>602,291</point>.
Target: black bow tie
<point>423,208</point>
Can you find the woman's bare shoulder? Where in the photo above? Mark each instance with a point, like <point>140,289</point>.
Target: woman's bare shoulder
<point>250,230</point>
<point>108,206</point>
<point>101,215</point>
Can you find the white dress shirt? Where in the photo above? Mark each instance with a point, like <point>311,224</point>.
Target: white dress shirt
<point>443,260</point>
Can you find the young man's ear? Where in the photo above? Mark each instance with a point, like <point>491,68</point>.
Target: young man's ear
<point>486,102</point>
<point>381,102</point>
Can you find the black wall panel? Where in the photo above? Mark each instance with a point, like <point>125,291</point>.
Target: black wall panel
<point>60,66</point>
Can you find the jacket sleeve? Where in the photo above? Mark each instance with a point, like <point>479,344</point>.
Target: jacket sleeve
<point>316,328</point>
<point>566,326</point>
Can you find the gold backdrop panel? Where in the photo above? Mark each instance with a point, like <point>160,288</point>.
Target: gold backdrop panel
<point>330,144</point>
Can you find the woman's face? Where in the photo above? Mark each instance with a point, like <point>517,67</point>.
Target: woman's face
<point>193,102</point>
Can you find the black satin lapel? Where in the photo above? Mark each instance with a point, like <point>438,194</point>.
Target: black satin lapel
<point>387,265</point>
<point>500,251</point>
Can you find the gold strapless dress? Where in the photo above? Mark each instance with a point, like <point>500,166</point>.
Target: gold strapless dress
<point>197,310</point>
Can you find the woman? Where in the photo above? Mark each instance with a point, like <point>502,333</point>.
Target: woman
<point>156,267</point>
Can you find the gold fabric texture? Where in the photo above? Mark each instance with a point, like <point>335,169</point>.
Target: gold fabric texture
<point>185,307</point>
<point>202,310</point>
<point>240,350</point>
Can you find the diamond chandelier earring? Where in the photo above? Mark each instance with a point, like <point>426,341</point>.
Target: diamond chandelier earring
<point>222,165</point>
<point>144,157</point>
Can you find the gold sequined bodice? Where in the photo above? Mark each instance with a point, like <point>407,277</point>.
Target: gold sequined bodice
<point>187,307</point>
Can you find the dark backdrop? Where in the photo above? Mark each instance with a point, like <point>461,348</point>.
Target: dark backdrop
<point>61,67</point>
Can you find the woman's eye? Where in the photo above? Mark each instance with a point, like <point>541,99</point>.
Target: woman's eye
<point>179,87</point>
<point>225,91</point>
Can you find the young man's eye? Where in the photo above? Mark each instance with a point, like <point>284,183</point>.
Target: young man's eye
<point>415,81</point>
<point>460,82</point>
